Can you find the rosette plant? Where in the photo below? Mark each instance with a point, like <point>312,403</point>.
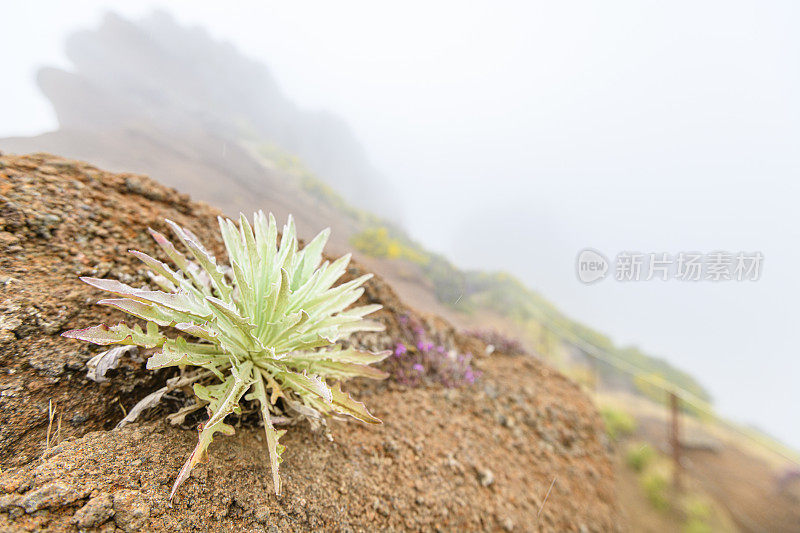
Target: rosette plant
<point>263,329</point>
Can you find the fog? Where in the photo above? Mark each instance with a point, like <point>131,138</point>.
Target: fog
<point>518,133</point>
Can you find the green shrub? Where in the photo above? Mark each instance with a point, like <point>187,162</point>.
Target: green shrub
<point>694,525</point>
<point>639,457</point>
<point>698,512</point>
<point>618,423</point>
<point>379,242</point>
<point>656,485</point>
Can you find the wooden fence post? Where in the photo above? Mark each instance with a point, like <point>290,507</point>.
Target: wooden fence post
<point>675,439</point>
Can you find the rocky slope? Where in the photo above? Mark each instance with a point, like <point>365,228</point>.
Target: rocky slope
<point>522,449</point>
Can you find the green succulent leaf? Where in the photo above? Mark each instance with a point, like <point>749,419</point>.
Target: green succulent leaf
<point>268,323</point>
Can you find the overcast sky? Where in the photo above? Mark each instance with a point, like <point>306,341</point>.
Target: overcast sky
<point>522,132</point>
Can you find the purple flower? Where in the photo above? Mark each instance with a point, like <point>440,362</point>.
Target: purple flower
<point>469,376</point>
<point>428,346</point>
<point>400,349</point>
<point>418,367</point>
<point>440,349</point>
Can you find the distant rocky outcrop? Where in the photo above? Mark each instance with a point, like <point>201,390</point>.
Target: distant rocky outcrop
<point>155,97</point>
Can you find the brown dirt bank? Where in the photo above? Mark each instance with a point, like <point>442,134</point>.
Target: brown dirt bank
<point>473,458</point>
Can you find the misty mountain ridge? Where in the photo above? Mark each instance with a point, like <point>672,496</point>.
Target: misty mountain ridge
<point>154,78</point>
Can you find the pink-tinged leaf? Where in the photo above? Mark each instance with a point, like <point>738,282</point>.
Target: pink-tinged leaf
<point>178,302</point>
<point>178,258</point>
<point>195,457</point>
<point>118,334</point>
<point>157,266</point>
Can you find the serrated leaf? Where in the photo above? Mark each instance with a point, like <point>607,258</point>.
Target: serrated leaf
<point>223,400</point>
<point>175,352</point>
<point>118,334</point>
<point>344,404</point>
<point>203,332</point>
<point>304,385</point>
<point>274,448</point>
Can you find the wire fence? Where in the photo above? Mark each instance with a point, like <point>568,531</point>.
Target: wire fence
<point>681,394</point>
